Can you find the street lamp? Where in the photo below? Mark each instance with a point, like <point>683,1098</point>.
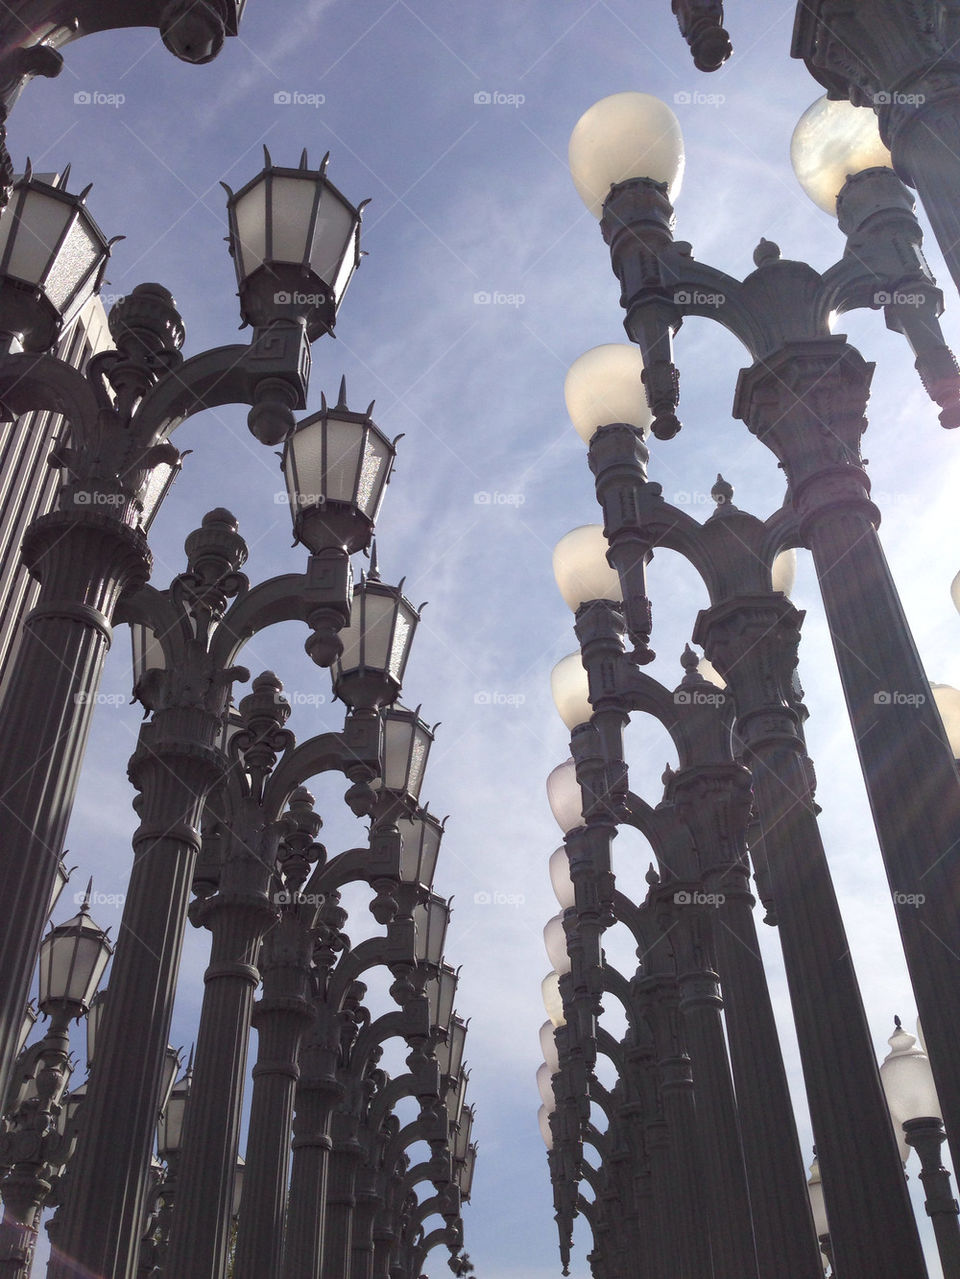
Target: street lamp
<point>52,259</point>
<point>915,1111</point>
<point>780,313</point>
<point>337,465</point>
<point>295,241</point>
<point>40,1131</point>
<point>116,466</point>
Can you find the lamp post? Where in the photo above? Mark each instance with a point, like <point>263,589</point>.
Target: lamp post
<point>72,959</point>
<point>626,154</point>
<point>915,1110</point>
<point>92,550</point>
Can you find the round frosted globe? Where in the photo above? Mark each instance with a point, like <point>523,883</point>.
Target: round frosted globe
<point>604,386</point>
<point>543,1119</point>
<point>550,990</point>
<point>570,689</point>
<point>831,141</point>
<point>560,878</point>
<point>627,135</point>
<point>709,672</point>
<point>947,699</point>
<point>581,569</point>
<point>545,1085</point>
<point>955,592</point>
<point>563,796</point>
<point>548,1046</point>
<point>555,940</point>
<point>784,571</point>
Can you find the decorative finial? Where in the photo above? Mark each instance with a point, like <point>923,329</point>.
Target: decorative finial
<point>689,659</point>
<point>722,492</point>
<point>373,573</point>
<point>766,251</point>
<point>652,877</point>
<point>898,1023</point>
<point>342,398</point>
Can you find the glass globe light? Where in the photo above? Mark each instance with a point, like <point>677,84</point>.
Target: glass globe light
<point>955,592</point>
<point>543,1118</point>
<point>560,878</point>
<point>604,386</point>
<point>783,573</point>
<point>947,699</point>
<point>832,140</point>
<point>545,1085</point>
<point>581,569</point>
<point>571,691</point>
<point>564,798</point>
<point>625,135</point>
<point>548,1046</point>
<point>552,1002</point>
<point>709,672</point>
<point>555,941</point>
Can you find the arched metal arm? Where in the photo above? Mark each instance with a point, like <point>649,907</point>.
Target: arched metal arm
<point>371,953</point>
<point>280,599</point>
<point>394,1024</point>
<point>42,382</point>
<point>357,748</point>
<point>227,375</point>
<point>23,56</point>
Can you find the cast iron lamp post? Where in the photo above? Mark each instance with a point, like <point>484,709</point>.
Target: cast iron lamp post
<point>805,380</point>
<point>72,959</point>
<point>92,549</point>
<point>186,639</point>
<point>900,62</point>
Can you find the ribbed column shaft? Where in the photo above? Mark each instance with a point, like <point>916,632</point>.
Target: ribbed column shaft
<point>911,776</point>
<point>725,1184</point>
<point>200,1231</point>
<point>45,719</point>
<point>102,1214</point>
<point>782,1221</point>
<point>306,1219</point>
<point>341,1203</point>
<point>280,1017</point>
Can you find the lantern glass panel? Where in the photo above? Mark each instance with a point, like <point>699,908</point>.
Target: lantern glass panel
<point>331,254</point>
<point>250,211</point>
<point>374,470</point>
<point>291,206</point>
<point>456,1043</point>
<point>406,744</point>
<point>38,230</point>
<point>170,1127</point>
<point>78,258</point>
<point>148,654</point>
<point>430,920</point>
<point>421,838</point>
<point>461,1141</point>
<point>466,1172</point>
<point>455,1096</point>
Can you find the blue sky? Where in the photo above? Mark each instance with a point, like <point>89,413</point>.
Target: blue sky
<point>471,199</point>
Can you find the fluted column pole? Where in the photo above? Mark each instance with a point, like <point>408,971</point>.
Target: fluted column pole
<point>281,1017</point>
<point>237,916</point>
<point>85,562</point>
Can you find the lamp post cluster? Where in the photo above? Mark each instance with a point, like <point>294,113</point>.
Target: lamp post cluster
<point>697,1151</point>
<point>224,814</point>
